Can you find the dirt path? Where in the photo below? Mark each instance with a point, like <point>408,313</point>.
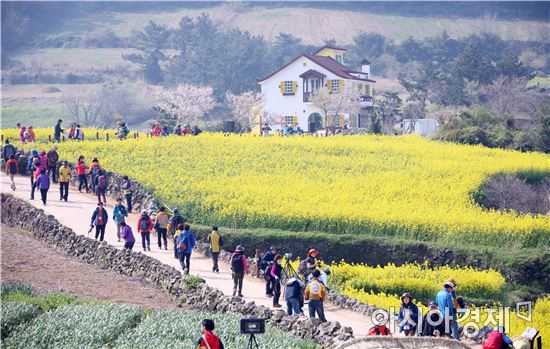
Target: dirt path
<point>25,259</point>
<point>76,214</point>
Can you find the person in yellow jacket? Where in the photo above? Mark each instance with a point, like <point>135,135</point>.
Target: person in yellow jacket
<point>216,242</point>
<point>316,293</point>
<point>64,178</point>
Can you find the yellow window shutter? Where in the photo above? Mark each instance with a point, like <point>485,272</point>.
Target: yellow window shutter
<point>294,120</point>
<point>282,86</point>
<point>342,120</point>
<point>294,86</point>
<point>329,120</point>
<point>329,85</point>
<point>342,83</point>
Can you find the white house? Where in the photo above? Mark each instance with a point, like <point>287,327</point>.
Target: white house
<point>286,92</point>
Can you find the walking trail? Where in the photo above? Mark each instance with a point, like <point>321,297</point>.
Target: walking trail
<point>76,214</point>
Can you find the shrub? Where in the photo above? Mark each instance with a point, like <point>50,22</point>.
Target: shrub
<point>51,301</point>
<point>13,314</point>
<point>181,329</point>
<point>9,288</point>
<point>76,326</point>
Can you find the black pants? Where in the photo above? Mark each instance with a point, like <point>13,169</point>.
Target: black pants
<point>316,306</point>
<point>82,182</point>
<point>129,202</point>
<point>215,257</point>
<point>129,245</point>
<point>100,193</point>
<point>100,232</point>
<point>145,237</point>
<point>92,183</point>
<point>269,286</point>
<point>161,232</point>
<point>32,186</point>
<point>185,260</point>
<point>238,283</point>
<point>276,291</point>
<point>52,171</point>
<point>64,190</point>
<point>44,195</point>
<point>176,253</point>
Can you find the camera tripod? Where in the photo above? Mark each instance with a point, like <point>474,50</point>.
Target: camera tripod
<point>252,342</point>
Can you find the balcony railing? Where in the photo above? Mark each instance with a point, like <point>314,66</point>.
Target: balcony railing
<point>307,96</point>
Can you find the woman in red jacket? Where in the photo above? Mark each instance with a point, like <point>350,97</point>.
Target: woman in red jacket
<point>81,172</point>
<point>145,225</point>
<point>12,168</point>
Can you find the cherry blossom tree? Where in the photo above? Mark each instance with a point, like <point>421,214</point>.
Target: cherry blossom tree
<point>184,102</point>
<point>245,108</point>
<point>331,103</point>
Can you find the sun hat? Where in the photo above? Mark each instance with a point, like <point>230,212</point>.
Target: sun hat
<point>239,248</point>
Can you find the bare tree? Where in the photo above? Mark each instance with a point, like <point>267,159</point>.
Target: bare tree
<point>346,100</point>
<point>389,110</point>
<point>245,108</point>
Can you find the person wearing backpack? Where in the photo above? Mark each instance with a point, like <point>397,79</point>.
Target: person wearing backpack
<point>128,236</point>
<point>216,242</point>
<point>316,294</point>
<point>12,168</point>
<point>186,243</point>
<point>93,173</point>
<point>126,190</point>
<point>408,315</point>
<point>309,264</point>
<point>99,220</point>
<point>8,150</point>
<point>101,186</point>
<point>239,267</point>
<point>53,158</point>
<point>294,295</point>
<point>64,177</point>
<point>161,226</point>
<point>266,262</point>
<point>276,274</point>
<point>32,165</point>
<point>119,216</point>
<point>145,225</point>
<point>208,340</point>
<point>175,222</point>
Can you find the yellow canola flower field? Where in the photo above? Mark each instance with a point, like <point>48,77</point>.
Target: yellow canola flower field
<point>402,186</point>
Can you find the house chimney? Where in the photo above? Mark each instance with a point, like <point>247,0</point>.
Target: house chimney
<point>365,67</point>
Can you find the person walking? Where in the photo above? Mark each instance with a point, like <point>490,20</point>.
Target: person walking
<point>266,262</point>
<point>145,225</point>
<point>294,295</point>
<point>216,242</point>
<point>81,172</point>
<point>57,131</point>
<point>316,294</point>
<point>53,158</point>
<point>119,216</point>
<point>239,267</point>
<point>432,323</point>
<point>8,150</point>
<point>408,315</point>
<point>188,239</point>
<point>275,274</point>
<point>208,340</point>
<point>444,300</point>
<point>126,185</point>
<point>99,220</point>
<point>12,168</point>
<point>93,173</point>
<point>128,236</point>
<point>175,222</point>
<point>43,183</point>
<point>64,178</point>
<point>32,165</point>
<point>101,186</point>
<point>161,226</point>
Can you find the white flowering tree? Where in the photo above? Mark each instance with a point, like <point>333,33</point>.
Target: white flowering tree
<point>245,108</point>
<point>184,102</point>
<point>346,100</point>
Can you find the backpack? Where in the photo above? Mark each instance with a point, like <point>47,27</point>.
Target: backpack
<point>302,267</point>
<point>144,224</point>
<point>182,246</point>
<point>237,263</point>
<point>315,288</point>
<point>102,182</point>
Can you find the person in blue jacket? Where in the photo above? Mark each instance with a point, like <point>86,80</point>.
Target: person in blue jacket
<point>408,315</point>
<point>32,163</point>
<point>444,300</point>
<point>185,255</point>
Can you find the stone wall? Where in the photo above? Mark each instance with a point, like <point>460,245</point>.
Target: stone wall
<point>187,290</point>
<point>403,343</point>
